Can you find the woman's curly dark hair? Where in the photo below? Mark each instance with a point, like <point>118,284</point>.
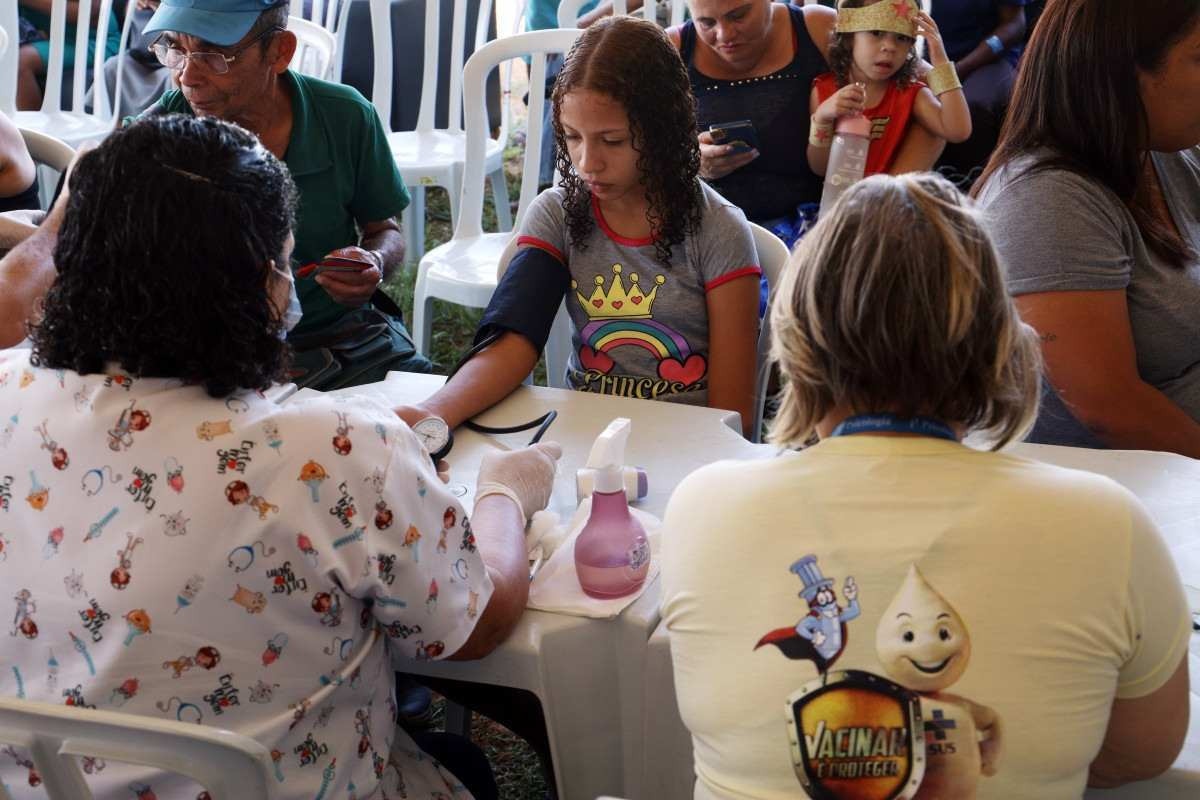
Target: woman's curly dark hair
<point>163,258</point>
<point>632,61</point>
<point>841,54</point>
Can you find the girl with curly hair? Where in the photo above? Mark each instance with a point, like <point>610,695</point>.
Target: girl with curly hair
<point>874,68</point>
<point>658,271</point>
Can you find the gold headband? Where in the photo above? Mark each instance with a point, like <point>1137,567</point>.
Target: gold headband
<point>898,16</point>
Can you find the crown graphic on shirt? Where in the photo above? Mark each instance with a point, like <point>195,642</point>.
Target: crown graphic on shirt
<point>617,303</point>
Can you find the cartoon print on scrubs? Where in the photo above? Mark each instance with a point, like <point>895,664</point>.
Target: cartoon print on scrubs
<point>174,475</point>
<point>623,317</point>
<point>313,475</point>
<point>121,553</point>
<point>820,636</point>
<point>132,419</point>
<point>58,456</point>
<point>23,620</point>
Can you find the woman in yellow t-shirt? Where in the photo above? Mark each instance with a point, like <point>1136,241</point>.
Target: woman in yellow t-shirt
<point>890,609</point>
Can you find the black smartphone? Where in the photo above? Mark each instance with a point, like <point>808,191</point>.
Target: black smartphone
<point>740,134</point>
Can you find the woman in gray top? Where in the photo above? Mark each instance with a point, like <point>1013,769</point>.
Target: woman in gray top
<point>1093,197</point>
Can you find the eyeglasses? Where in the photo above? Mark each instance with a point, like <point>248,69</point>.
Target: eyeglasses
<point>174,58</point>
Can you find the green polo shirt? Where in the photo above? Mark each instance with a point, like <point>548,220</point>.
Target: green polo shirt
<point>344,172</point>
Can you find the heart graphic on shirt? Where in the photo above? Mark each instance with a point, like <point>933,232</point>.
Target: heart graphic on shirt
<point>687,372</point>
<point>592,360</point>
<point>636,299</point>
<point>597,302</point>
<point>231,464</point>
<point>618,303</point>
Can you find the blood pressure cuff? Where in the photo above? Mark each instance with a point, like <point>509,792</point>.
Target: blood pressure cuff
<point>527,298</point>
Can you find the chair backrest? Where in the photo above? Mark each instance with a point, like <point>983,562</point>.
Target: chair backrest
<point>381,42</point>
<point>568,11</point>
<point>772,258</point>
<point>329,15</point>
<point>3,42</point>
<point>87,25</point>
<point>46,150</point>
<point>315,48</point>
<point>52,157</point>
<point>537,45</point>
<point>126,31</point>
<point>225,763</point>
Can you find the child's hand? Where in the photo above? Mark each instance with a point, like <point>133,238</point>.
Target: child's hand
<point>846,101</point>
<point>933,38</point>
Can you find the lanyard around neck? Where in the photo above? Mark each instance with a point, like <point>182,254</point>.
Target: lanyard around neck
<point>891,423</point>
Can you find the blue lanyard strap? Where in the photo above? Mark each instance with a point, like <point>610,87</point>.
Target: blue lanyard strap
<point>890,423</point>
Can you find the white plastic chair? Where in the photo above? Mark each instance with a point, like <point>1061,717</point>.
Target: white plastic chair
<point>430,156</point>
<point>568,11</point>
<point>227,764</point>
<point>51,155</point>
<point>327,15</point>
<point>3,42</point>
<point>73,125</point>
<point>772,258</point>
<point>315,48</point>
<point>463,270</point>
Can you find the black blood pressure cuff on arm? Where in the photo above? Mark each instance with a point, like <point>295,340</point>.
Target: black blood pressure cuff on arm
<point>527,298</point>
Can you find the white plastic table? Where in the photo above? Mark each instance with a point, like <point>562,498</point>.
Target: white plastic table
<point>607,687</point>
<point>1169,486</point>
<point>588,673</point>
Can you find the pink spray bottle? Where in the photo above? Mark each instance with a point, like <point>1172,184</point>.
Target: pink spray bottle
<point>612,555</point>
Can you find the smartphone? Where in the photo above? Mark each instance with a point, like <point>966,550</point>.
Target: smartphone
<point>740,134</point>
<point>333,264</point>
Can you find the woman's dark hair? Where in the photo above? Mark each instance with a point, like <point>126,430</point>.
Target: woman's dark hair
<point>1077,95</point>
<point>632,61</point>
<point>163,258</point>
<point>841,54</point>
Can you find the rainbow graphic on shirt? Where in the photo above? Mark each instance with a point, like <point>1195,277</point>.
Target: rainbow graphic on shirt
<point>622,317</point>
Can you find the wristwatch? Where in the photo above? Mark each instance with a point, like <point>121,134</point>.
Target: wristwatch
<point>435,436</point>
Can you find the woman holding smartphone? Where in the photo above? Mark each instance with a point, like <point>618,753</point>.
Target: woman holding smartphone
<point>756,60</point>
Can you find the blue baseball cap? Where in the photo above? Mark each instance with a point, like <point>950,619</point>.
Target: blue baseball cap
<point>222,22</point>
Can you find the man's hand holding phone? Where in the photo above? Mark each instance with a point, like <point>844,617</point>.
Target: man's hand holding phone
<point>350,275</point>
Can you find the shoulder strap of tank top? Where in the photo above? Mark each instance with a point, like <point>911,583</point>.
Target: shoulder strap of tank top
<point>804,48</point>
<point>687,41</point>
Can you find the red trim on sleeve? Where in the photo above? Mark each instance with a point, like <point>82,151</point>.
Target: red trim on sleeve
<point>732,276</point>
<point>540,244</point>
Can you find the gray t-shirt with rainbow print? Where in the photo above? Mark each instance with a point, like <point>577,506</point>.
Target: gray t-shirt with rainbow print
<point>640,328</point>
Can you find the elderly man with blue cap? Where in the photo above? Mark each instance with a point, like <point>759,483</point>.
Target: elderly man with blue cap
<point>231,61</point>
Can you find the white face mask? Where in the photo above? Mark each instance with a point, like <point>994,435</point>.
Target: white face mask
<point>293,313</point>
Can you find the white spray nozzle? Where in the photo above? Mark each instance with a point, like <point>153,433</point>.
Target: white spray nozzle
<point>608,455</point>
<point>609,448</point>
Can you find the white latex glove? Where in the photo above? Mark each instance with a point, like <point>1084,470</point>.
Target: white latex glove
<point>527,476</point>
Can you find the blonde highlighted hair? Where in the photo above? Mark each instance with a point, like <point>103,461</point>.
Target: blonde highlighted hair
<point>895,302</point>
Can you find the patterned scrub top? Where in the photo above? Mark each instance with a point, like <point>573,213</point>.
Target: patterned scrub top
<point>228,562</point>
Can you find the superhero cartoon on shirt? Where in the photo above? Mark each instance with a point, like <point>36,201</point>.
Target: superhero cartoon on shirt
<point>819,637</point>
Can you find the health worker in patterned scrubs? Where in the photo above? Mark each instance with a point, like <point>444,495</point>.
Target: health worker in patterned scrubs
<point>176,545</point>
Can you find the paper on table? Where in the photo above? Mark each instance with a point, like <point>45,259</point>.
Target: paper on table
<point>555,587</point>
